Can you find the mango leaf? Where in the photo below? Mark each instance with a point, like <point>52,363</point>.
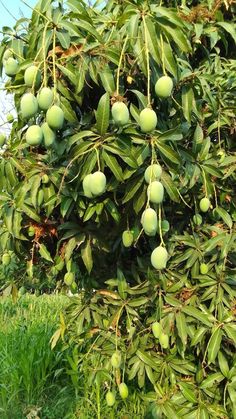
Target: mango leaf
<point>16,228</point>
<point>147,359</point>
<point>168,153</point>
<point>188,392</point>
<point>113,210</point>
<point>170,187</point>
<point>223,363</point>
<point>69,113</point>
<point>55,337</point>
<point>141,98</point>
<point>175,34</point>
<point>187,102</point>
<point>103,114</point>
<point>216,377</point>
<point>64,38</point>
<point>90,29</point>
<point>133,24</point>
<point>181,327</point>
<point>214,242</point>
<point>34,189</point>
<point>44,252</point>
<point>107,79</point>
<point>30,213</point>
<point>225,216</point>
<point>134,370</point>
<point>197,314</point>
<point>132,188</point>
<point>228,27</point>
<point>86,254</point>
<point>214,345</point>
<point>69,248</point>
<point>8,217</point>
<point>69,72</point>
<point>231,332</point>
<point>113,165</point>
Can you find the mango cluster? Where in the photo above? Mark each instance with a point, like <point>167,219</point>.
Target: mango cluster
<point>159,334</point>
<point>10,64</point>
<point>147,117</point>
<point>149,220</point>
<point>94,184</point>
<point>31,106</point>
<point>116,360</point>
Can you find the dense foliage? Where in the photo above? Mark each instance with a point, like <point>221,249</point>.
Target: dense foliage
<point>74,188</point>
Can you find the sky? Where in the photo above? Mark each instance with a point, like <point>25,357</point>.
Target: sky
<point>16,8</point>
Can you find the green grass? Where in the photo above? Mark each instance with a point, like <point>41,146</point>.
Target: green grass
<point>33,377</point>
<point>37,382</point>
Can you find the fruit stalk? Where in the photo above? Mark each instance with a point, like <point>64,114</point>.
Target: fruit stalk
<point>45,56</point>
<point>205,183</point>
<point>148,63</point>
<point>162,56</point>
<point>98,159</point>
<point>119,66</point>
<point>160,229</point>
<point>54,64</point>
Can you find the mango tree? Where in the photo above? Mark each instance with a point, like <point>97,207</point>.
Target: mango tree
<point>118,181</point>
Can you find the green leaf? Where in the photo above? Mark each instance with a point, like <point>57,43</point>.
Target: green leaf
<point>69,72</point>
<point>228,27</point>
<point>169,59</point>
<point>30,213</point>
<point>103,114</point>
<point>223,363</point>
<point>79,136</point>
<point>153,46</point>
<point>113,165</point>
<point>131,189</point>
<point>122,284</point>
<point>90,210</point>
<point>141,98</point>
<point>81,149</point>
<point>35,184</point>
<point>225,216</point>
<point>187,102</point>
<point>16,227</point>
<point>82,24</point>
<point>69,248</point>
<point>214,242</point>
<point>44,252</point>
<point>134,370</point>
<point>188,392</point>
<point>8,218</point>
<point>168,153</point>
<point>137,302</point>
<point>69,113</point>
<point>113,210</point>
<point>231,332</point>
<point>216,377</point>
<point>170,187</point>
<point>181,327</point>
<point>214,345</point>
<point>175,34</point>
<point>107,79</point>
<point>64,38</point>
<point>147,359</point>
<point>133,24</point>
<point>86,254</point>
<point>197,314</point>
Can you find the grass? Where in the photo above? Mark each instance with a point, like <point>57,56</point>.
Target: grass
<point>38,383</point>
<point>33,378</point>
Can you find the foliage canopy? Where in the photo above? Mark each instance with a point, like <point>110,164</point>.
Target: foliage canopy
<point>91,58</point>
